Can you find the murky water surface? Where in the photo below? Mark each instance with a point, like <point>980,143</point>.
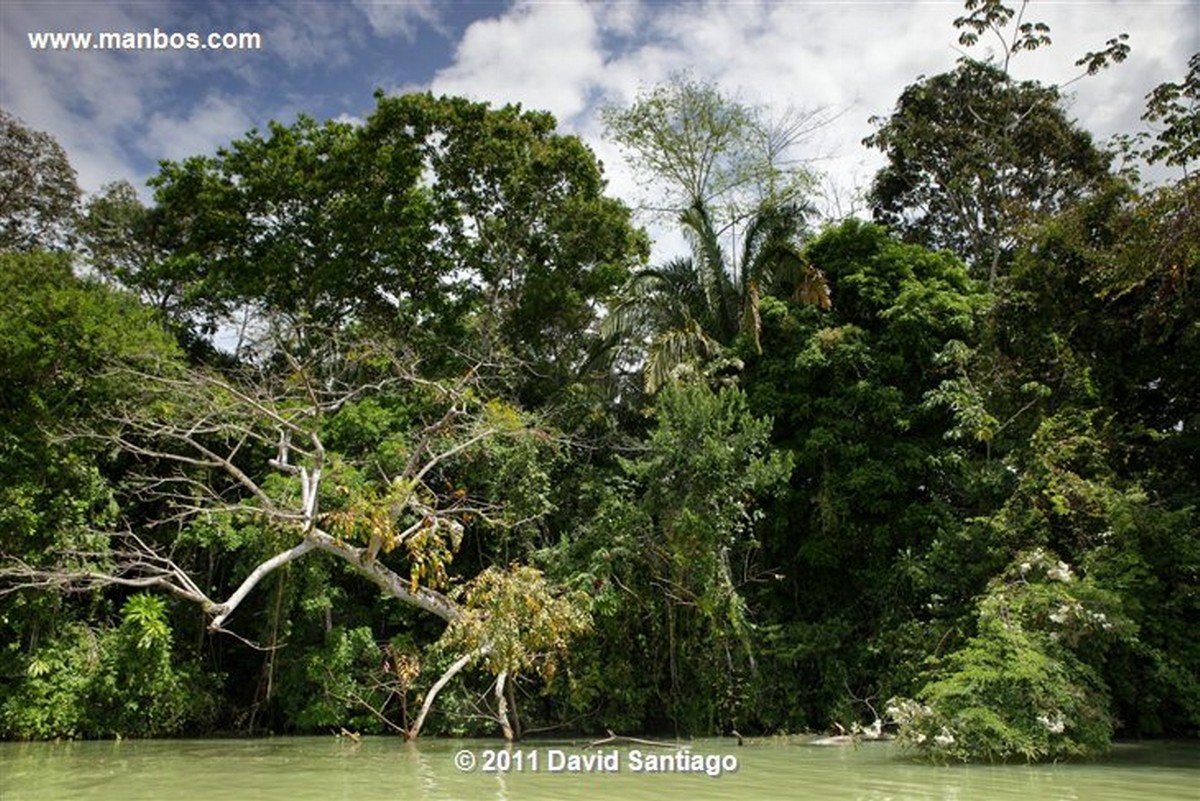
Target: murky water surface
<point>304,769</point>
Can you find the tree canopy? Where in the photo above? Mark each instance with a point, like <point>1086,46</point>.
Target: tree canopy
<point>974,156</point>
<point>38,192</point>
<point>698,146</point>
<point>439,219</point>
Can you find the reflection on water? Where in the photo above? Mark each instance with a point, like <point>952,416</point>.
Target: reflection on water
<point>304,769</point>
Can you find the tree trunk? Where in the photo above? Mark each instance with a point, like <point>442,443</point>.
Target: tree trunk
<point>450,673</point>
<point>502,706</point>
<point>512,706</point>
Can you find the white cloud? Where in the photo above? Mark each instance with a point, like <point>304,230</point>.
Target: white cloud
<point>306,34</point>
<point>542,55</point>
<point>206,126</point>
<point>352,119</point>
<point>401,17</point>
<point>620,18</point>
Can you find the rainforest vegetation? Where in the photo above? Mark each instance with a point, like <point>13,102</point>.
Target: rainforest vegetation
<point>397,427</point>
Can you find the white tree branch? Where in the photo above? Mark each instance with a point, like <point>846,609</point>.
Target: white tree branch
<point>258,574</point>
<point>384,577</point>
<point>445,678</point>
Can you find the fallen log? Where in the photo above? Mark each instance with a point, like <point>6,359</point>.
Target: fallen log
<point>617,738</point>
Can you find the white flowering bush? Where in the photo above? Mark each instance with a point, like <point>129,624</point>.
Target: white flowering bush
<point>1017,690</point>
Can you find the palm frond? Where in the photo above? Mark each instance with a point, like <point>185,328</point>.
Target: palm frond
<point>713,270</point>
<point>690,308</point>
<point>675,348</point>
<point>795,278</point>
<point>812,289</point>
<point>769,234</point>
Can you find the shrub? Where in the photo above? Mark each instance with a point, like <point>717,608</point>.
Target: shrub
<point>1017,689</point>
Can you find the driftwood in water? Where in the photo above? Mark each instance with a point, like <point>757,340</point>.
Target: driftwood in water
<point>617,738</point>
<point>858,734</point>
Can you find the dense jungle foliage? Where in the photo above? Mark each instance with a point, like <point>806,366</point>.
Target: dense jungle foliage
<point>353,417</point>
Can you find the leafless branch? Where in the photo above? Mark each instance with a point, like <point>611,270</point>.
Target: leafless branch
<point>132,563</point>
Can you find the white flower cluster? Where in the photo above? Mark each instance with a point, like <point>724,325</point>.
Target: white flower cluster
<point>1055,725</point>
<point>906,710</point>
<point>1074,612</point>
<point>944,738</point>
<point>1060,572</point>
<point>1038,559</point>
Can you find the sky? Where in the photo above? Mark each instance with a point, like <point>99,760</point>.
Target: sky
<point>118,114</point>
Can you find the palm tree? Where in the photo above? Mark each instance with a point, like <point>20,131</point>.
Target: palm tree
<point>694,307</point>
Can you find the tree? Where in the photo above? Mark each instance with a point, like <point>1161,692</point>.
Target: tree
<point>518,621</point>
<point>123,242</point>
<point>1017,690</point>
<point>72,670</point>
<point>440,220</point>
<point>524,222</point>
<point>301,222</point>
<point>38,193</point>
<point>701,147</point>
<point>1100,309</point>
<point>56,334</point>
<point>1080,393</point>
<point>993,16</point>
<point>1076,631</point>
<point>1176,106</point>
<point>973,157</point>
<point>694,308</point>
<point>847,613</point>
<point>723,165</point>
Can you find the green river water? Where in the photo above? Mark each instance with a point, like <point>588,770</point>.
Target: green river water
<point>300,769</point>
